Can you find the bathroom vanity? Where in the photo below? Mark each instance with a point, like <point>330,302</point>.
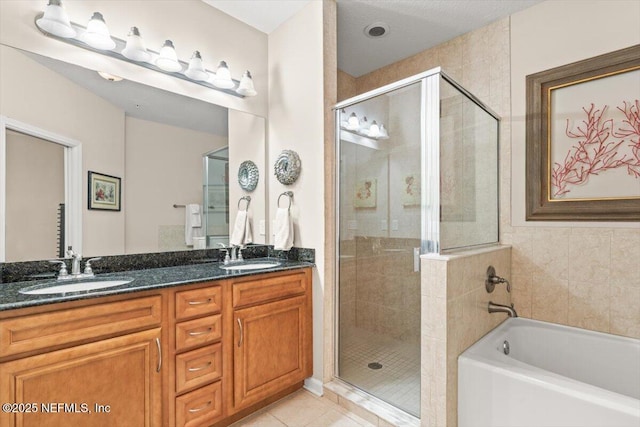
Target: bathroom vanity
<point>179,346</point>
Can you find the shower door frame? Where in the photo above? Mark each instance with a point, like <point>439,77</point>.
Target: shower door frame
<point>430,173</point>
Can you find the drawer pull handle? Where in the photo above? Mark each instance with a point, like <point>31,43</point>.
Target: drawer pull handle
<point>207,301</point>
<point>159,355</point>
<point>200,408</point>
<point>241,334</point>
<point>200,368</point>
<point>196,333</point>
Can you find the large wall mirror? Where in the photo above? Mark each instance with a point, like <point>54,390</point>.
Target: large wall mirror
<point>157,142</point>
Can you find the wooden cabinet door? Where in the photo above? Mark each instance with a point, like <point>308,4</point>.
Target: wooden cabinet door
<point>272,349</point>
<point>108,383</point>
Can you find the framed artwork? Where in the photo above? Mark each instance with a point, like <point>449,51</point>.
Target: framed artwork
<point>583,140</point>
<point>104,192</point>
<point>365,194</point>
<point>411,190</point>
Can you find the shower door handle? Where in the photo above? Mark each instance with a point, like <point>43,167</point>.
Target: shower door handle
<point>416,260</point>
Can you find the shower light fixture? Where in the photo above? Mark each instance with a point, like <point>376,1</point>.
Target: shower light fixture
<point>54,22</point>
<point>374,130</point>
<point>363,127</point>
<point>352,122</point>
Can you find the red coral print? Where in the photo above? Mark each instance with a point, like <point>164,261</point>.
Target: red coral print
<point>596,149</point>
<point>631,130</point>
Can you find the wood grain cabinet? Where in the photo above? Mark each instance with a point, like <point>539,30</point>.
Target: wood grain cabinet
<point>201,355</point>
<point>197,355</point>
<point>272,335</point>
<point>112,381</point>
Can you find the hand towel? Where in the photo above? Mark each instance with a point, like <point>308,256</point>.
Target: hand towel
<point>283,230</point>
<point>241,234</point>
<point>192,224</point>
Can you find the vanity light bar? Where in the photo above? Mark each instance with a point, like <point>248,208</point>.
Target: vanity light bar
<point>184,71</point>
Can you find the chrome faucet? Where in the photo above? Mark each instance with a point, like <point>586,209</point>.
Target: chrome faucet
<point>236,253</point>
<point>501,308</point>
<point>76,258</point>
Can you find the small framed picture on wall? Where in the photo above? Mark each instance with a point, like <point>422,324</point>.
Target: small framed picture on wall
<point>104,192</point>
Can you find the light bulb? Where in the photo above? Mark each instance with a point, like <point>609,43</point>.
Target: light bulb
<point>383,132</point>
<point>353,123</point>
<point>56,21</point>
<point>168,59</point>
<point>97,34</point>
<point>374,130</point>
<point>246,88</point>
<point>135,49</point>
<point>196,70</point>
<point>222,79</point>
<point>364,126</point>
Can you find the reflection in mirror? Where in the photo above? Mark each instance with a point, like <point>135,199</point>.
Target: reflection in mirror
<point>36,197</point>
<point>154,140</point>
<point>216,197</point>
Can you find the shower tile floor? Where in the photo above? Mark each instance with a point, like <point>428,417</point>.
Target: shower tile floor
<point>397,382</point>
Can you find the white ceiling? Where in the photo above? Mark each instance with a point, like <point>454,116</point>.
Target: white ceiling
<point>414,25</point>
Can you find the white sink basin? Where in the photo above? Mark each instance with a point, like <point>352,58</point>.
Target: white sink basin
<point>255,266</point>
<point>63,288</point>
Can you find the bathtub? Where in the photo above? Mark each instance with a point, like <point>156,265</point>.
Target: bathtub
<point>553,376</point>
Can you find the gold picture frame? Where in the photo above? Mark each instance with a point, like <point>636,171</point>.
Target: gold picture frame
<point>573,145</point>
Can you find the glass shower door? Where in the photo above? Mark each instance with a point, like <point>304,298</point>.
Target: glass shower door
<point>379,243</point>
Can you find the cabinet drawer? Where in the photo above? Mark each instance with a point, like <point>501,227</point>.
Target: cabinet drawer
<point>198,302</point>
<point>60,328</point>
<point>200,407</point>
<point>259,291</point>
<point>197,332</point>
<point>198,367</point>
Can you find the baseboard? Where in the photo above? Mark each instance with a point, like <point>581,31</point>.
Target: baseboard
<point>314,385</point>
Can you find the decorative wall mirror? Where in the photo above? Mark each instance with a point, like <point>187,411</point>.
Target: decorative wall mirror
<point>153,139</point>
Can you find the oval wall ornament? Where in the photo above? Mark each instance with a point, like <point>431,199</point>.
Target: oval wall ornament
<point>248,175</point>
<point>287,167</point>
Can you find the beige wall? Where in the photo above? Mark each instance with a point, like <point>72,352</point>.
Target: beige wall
<point>580,274</point>
<point>33,94</point>
<point>190,24</point>
<point>296,122</point>
<point>164,166</point>
<point>35,188</point>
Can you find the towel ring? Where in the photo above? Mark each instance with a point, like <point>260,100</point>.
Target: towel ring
<point>289,194</point>
<point>247,198</point>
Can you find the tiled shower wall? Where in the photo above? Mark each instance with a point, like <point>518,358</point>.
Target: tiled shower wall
<point>379,291</point>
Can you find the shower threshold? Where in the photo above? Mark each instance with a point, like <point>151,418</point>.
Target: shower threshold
<point>371,404</point>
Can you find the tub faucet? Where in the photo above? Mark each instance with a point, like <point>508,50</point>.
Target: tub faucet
<point>501,308</point>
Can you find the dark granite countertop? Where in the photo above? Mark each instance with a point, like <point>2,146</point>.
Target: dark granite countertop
<point>143,280</point>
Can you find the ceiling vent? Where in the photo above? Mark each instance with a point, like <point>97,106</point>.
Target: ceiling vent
<point>376,30</point>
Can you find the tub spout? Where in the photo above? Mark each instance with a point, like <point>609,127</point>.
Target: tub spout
<point>501,308</point>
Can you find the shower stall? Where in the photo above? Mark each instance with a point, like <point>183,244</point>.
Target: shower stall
<point>417,174</point>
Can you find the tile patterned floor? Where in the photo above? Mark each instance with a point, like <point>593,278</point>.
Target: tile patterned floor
<point>397,382</point>
<point>303,409</point>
